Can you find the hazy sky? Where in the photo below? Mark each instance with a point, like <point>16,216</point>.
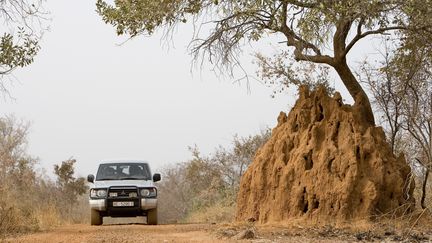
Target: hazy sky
<point>90,98</point>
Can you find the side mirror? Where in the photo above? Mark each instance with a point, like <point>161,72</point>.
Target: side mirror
<point>90,178</point>
<point>156,177</point>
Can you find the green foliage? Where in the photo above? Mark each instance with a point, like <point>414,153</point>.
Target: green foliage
<point>23,22</point>
<point>14,55</point>
<point>307,25</point>
<point>136,17</point>
<point>70,186</point>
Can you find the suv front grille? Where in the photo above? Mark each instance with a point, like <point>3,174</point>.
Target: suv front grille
<point>123,200</point>
<point>123,192</point>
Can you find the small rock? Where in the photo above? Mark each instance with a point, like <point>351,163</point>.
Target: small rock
<point>361,236</point>
<point>397,238</point>
<point>226,233</point>
<point>245,234</point>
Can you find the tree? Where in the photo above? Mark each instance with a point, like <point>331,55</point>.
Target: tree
<point>23,21</point>
<point>16,166</point>
<point>205,181</point>
<point>234,161</point>
<point>413,67</point>
<point>417,108</point>
<point>322,32</point>
<point>21,198</point>
<point>401,89</point>
<point>69,186</point>
<point>388,93</point>
<point>174,194</point>
<point>29,199</point>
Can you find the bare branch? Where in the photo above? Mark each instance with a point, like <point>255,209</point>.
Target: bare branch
<point>360,35</point>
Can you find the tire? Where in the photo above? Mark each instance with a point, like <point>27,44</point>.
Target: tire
<point>152,217</point>
<point>96,218</point>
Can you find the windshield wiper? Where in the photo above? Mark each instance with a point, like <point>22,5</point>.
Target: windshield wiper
<point>107,179</point>
<point>131,178</point>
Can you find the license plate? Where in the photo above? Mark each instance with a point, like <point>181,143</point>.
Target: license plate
<point>123,204</point>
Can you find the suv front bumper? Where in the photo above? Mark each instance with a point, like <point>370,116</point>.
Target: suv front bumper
<point>101,204</point>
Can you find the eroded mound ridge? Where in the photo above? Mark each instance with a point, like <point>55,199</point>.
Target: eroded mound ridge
<point>325,163</point>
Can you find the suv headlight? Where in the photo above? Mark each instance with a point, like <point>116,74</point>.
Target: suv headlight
<point>148,192</point>
<point>98,193</point>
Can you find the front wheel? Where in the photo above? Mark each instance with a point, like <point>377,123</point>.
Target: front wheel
<point>96,218</point>
<point>152,217</point>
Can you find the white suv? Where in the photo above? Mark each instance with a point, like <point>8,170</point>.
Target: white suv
<point>123,189</point>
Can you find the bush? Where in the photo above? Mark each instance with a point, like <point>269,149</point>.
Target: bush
<point>204,188</point>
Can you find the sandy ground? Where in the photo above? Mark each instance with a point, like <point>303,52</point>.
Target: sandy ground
<point>125,231</point>
<point>122,233</point>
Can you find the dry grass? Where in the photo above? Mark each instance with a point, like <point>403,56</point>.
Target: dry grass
<point>22,217</point>
<point>303,230</point>
<point>23,212</point>
<point>218,213</point>
<point>15,219</point>
<point>48,217</point>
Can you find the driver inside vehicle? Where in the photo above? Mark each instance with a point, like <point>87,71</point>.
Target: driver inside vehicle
<point>135,170</point>
<point>109,172</point>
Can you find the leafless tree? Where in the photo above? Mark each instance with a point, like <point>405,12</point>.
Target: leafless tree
<point>205,180</point>
<point>401,90</point>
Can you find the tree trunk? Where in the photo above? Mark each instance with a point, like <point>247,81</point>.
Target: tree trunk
<point>423,198</point>
<point>355,89</point>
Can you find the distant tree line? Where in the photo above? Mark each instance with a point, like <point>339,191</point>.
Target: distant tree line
<point>204,188</point>
<point>29,199</point>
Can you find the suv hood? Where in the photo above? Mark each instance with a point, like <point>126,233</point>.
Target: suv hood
<point>137,183</point>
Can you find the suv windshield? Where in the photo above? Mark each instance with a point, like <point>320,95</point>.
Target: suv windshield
<point>123,171</point>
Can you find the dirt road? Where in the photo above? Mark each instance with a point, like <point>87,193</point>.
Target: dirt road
<point>163,233</point>
<point>122,233</point>
<point>160,233</point>
<point>211,233</point>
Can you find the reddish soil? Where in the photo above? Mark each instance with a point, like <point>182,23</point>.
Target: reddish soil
<point>222,233</point>
<point>121,233</point>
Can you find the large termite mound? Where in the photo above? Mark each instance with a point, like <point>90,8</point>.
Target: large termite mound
<point>323,162</point>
